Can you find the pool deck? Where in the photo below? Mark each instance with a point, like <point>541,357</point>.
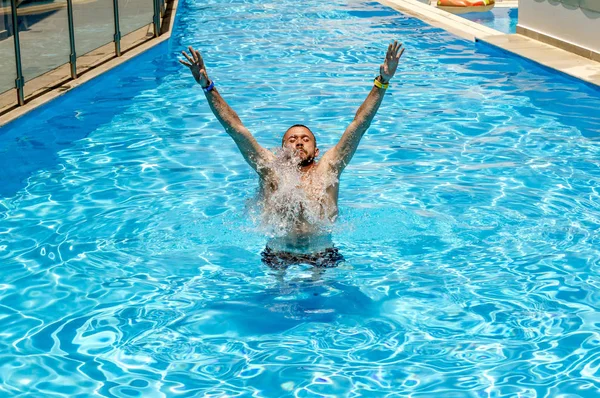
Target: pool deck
<point>585,69</point>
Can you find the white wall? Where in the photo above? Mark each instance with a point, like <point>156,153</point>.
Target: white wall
<point>573,25</point>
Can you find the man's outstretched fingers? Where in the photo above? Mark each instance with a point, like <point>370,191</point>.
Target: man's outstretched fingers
<point>185,63</point>
<point>191,61</point>
<point>191,50</point>
<point>400,53</point>
<point>200,59</point>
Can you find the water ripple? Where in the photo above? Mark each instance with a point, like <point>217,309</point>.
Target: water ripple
<point>469,222</point>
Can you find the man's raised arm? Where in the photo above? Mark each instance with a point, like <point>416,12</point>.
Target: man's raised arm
<point>254,154</point>
<point>340,155</point>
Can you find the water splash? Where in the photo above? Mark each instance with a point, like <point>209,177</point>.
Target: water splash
<point>293,206</point>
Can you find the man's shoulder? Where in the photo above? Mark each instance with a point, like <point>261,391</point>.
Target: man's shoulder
<point>328,161</point>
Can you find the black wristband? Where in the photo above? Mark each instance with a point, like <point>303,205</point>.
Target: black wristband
<point>380,78</point>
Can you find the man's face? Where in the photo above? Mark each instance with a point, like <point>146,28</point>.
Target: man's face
<point>302,142</point>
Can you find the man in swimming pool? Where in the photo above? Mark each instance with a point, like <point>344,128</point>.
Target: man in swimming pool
<point>319,180</point>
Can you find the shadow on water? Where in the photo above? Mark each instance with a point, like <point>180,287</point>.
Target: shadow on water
<point>33,141</point>
<point>298,295</point>
<point>284,307</point>
<point>574,102</point>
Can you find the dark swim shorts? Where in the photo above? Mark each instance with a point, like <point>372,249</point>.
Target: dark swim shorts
<point>328,258</point>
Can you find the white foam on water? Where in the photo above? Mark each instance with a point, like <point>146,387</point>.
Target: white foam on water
<point>291,207</point>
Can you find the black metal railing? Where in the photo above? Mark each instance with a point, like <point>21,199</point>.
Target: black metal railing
<point>37,26</point>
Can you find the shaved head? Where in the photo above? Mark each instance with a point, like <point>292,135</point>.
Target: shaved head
<point>296,127</point>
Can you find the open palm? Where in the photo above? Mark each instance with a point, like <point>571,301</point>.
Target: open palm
<point>392,57</point>
<point>196,65</point>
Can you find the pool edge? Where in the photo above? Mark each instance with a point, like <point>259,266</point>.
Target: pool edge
<point>553,58</point>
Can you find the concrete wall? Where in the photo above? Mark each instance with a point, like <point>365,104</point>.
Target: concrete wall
<point>572,21</point>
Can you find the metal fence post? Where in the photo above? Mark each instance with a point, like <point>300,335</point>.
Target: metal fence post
<point>117,36</point>
<point>19,81</point>
<point>73,56</point>
<point>156,18</point>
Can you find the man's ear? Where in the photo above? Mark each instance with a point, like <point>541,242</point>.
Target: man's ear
<point>316,152</point>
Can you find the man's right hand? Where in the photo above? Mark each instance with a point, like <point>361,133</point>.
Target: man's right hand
<point>196,65</point>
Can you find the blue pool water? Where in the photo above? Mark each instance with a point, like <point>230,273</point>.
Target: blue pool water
<point>503,19</point>
<point>469,221</point>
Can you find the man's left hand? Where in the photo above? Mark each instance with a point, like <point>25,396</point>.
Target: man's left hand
<point>388,68</point>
